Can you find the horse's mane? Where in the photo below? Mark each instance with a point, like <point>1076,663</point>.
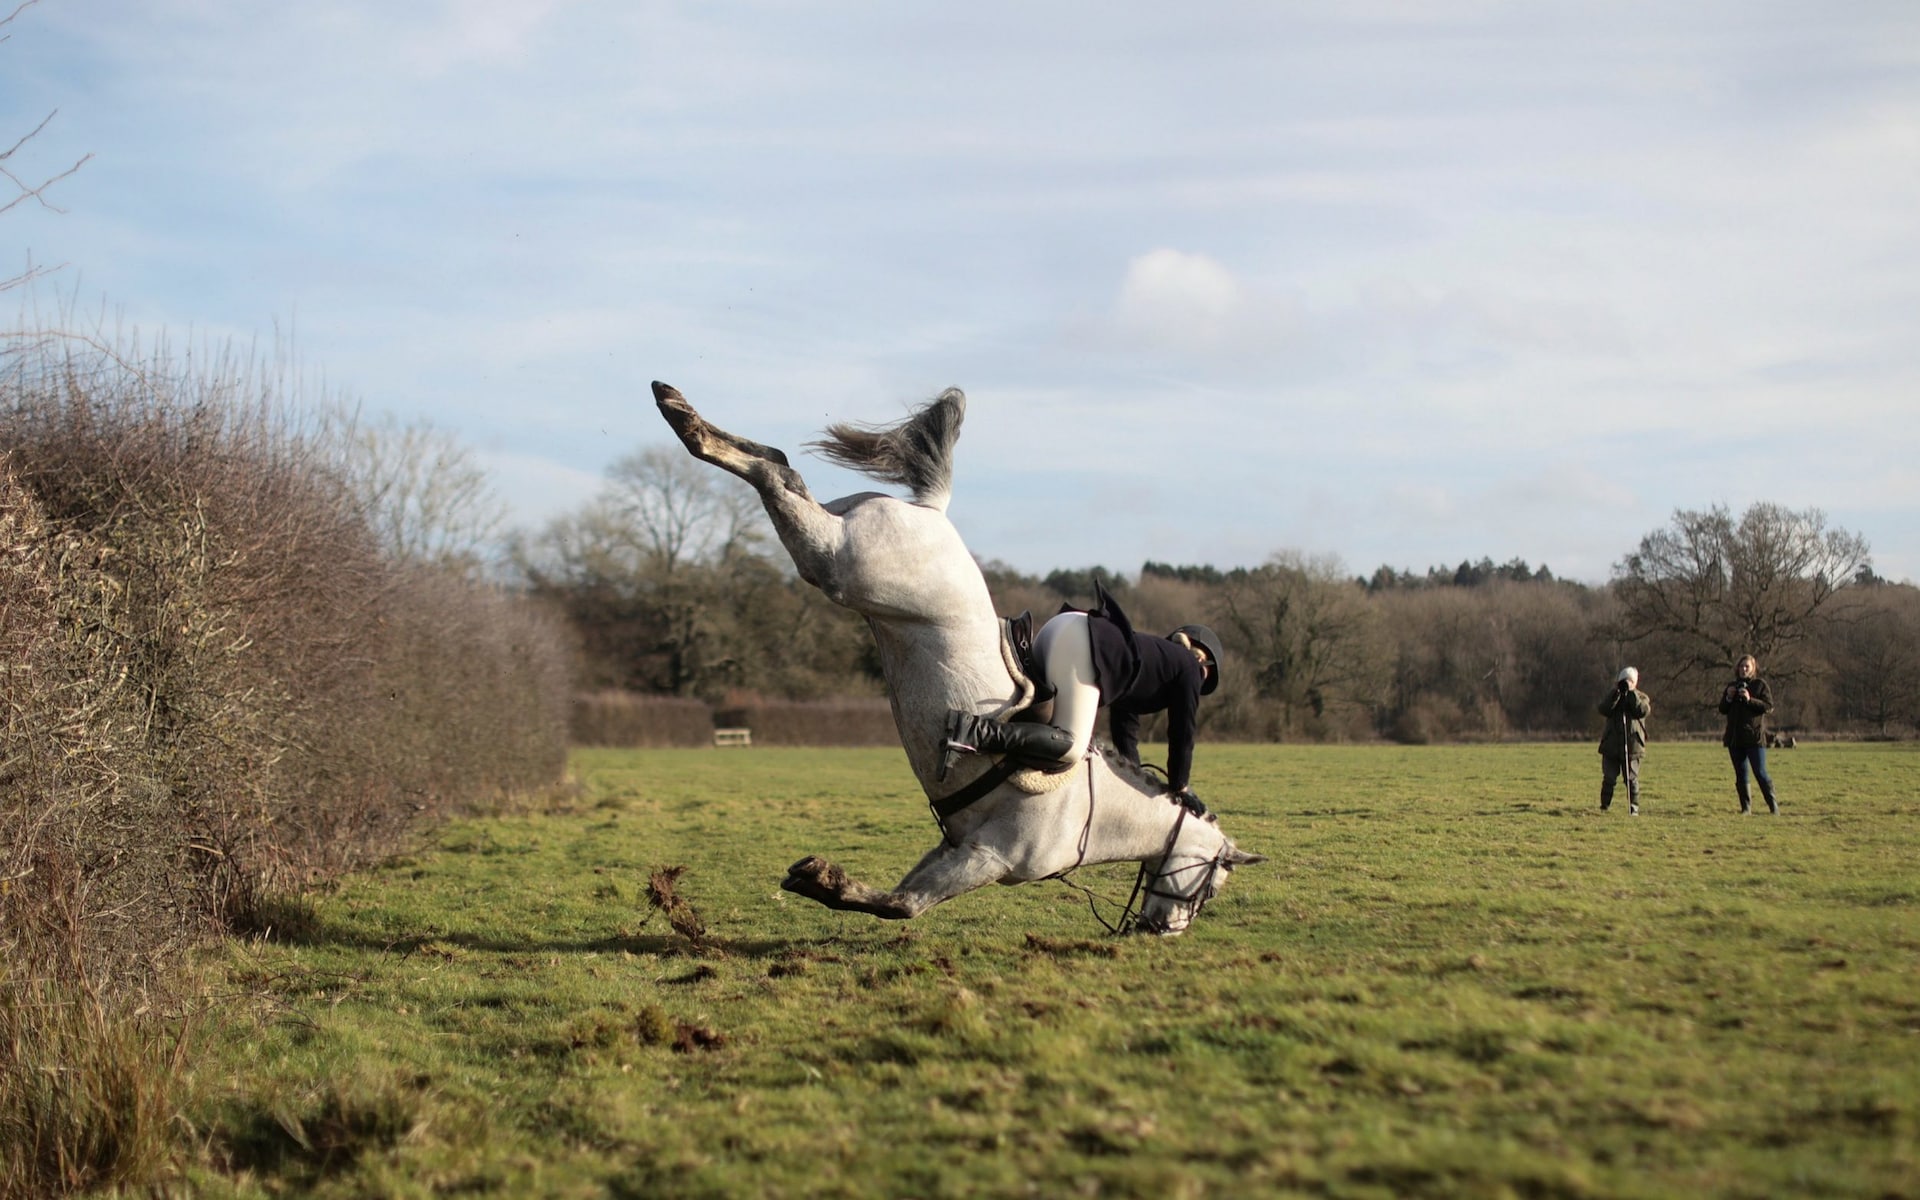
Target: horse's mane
<point>1150,783</point>
<point>916,453</point>
<point>1147,782</point>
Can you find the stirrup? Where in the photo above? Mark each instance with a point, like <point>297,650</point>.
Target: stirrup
<point>951,746</point>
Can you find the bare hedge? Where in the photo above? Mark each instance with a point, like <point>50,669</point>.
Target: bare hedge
<point>620,719</point>
<point>852,722</point>
<point>213,685</point>
<point>617,718</point>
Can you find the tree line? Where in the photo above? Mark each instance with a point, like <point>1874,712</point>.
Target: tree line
<point>674,586</point>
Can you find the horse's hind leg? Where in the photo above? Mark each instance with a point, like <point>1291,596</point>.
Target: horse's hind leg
<point>946,872</point>
<point>709,443</point>
<point>811,534</point>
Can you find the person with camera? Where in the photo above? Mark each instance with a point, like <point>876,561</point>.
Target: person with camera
<point>1746,702</point>
<point>1623,743</point>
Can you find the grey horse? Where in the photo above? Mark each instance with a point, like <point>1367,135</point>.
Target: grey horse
<point>902,565</point>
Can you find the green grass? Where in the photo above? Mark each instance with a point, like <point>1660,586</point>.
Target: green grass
<point>1455,977</point>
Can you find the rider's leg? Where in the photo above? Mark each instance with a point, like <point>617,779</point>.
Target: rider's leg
<point>1065,650</point>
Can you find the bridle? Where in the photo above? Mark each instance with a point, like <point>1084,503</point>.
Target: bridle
<point>1151,883</point>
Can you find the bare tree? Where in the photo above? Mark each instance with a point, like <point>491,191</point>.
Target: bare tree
<point>1708,589</point>
<point>1875,653</point>
<point>1307,633</point>
<point>680,512</point>
<point>22,190</point>
<point>427,499</point>
<point>655,565</point>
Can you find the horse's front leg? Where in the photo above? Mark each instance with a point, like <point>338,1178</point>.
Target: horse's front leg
<point>946,872</point>
<point>812,535</point>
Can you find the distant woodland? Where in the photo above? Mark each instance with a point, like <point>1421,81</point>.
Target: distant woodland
<point>674,587</point>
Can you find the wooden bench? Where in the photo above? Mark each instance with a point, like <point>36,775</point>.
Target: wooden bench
<point>733,737</point>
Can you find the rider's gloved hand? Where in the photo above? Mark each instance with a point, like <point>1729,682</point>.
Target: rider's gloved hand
<point>1190,802</point>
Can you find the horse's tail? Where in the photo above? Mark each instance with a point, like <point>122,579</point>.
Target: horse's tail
<point>916,453</point>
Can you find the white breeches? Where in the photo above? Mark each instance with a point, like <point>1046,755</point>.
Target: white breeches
<point>1065,650</point>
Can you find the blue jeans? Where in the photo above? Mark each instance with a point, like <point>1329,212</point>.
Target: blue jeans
<point>1756,757</point>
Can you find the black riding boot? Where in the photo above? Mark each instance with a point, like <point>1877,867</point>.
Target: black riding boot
<point>1042,746</point>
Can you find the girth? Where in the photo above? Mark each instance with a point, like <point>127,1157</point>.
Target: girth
<point>947,806</point>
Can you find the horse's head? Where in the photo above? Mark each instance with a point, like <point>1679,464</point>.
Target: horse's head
<point>1192,872</point>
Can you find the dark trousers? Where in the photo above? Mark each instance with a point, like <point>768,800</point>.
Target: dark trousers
<point>1611,769</point>
<point>1756,758</point>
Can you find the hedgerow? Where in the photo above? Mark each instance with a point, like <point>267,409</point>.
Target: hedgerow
<point>215,689</point>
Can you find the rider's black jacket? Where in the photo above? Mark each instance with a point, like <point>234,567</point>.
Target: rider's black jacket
<point>1140,674</point>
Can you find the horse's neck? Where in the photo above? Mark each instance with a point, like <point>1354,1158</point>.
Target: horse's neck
<point>1130,826</point>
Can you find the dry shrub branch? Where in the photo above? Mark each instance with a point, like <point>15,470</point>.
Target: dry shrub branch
<point>216,687</point>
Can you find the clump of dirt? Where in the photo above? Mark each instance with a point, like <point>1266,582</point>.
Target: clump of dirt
<point>663,895</point>
<point>653,1026</point>
<point>1061,947</point>
<point>794,961</point>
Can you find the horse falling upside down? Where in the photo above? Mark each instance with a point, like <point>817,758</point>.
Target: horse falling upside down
<point>901,565</point>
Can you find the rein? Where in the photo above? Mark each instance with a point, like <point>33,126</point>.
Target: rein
<point>1147,883</point>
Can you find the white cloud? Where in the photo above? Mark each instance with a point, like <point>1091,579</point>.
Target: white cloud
<point>1178,299</point>
<point>481,31</point>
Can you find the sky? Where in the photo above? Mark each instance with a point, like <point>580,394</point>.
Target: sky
<point>1402,283</point>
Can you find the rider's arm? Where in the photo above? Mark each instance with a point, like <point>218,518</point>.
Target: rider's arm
<point>1125,727</point>
<point>1181,722</point>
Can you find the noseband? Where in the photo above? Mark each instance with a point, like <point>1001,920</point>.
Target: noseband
<point>1153,884</point>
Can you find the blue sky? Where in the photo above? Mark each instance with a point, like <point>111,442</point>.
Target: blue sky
<point>1400,282</point>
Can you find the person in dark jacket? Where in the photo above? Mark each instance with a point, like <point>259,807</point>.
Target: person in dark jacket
<point>1624,741</point>
<point>1091,660</point>
<point>1746,702</point>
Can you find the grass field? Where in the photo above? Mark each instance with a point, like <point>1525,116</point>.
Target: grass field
<point>1454,978</point>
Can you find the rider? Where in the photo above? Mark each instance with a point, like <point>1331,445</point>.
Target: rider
<point>1094,659</point>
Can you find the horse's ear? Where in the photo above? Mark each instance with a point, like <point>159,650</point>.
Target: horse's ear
<point>1236,857</point>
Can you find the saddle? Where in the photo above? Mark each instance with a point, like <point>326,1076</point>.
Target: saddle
<point>1019,640</point>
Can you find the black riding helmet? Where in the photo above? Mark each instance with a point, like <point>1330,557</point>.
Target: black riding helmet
<point>1208,640</point>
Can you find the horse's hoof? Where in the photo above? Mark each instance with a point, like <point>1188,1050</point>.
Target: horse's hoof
<point>815,871</point>
<point>674,407</point>
<point>815,878</point>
